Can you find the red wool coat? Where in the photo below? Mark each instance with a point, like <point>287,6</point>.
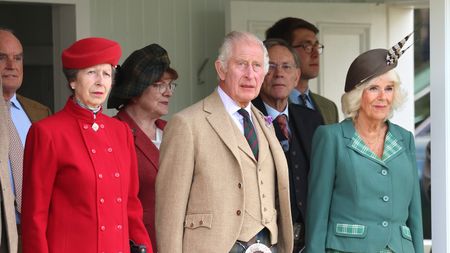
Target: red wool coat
<point>80,186</point>
<point>148,159</point>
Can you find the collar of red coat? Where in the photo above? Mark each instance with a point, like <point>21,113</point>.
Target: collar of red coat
<point>81,113</point>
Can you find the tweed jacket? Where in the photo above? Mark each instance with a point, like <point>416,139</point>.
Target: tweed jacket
<point>199,186</point>
<point>34,110</point>
<point>360,203</point>
<point>80,185</point>
<point>302,123</point>
<point>326,107</point>
<point>148,160</point>
<point>7,209</point>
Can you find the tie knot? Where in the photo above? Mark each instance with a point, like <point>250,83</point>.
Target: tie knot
<point>244,113</point>
<point>281,119</point>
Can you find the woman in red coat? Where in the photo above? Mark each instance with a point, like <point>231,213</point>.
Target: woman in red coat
<point>80,180</point>
<point>142,93</point>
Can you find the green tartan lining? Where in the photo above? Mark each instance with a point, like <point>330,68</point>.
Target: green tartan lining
<point>391,147</point>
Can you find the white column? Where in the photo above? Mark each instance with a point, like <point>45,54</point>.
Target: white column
<point>440,123</point>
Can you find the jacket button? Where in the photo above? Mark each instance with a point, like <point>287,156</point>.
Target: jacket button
<point>119,200</point>
<point>102,228</point>
<point>102,126</point>
<point>117,174</point>
<point>200,222</point>
<point>93,151</point>
<point>100,176</point>
<point>384,172</point>
<point>102,200</point>
<point>385,224</point>
<point>385,198</point>
<point>238,212</point>
<point>239,185</point>
<point>109,150</point>
<point>191,225</point>
<point>85,126</point>
<point>119,227</point>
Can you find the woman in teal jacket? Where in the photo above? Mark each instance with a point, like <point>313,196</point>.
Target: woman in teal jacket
<point>364,193</point>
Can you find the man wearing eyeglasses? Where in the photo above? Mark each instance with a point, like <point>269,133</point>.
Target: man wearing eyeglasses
<point>302,36</point>
<point>293,131</point>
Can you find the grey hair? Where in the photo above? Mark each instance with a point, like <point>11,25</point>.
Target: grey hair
<point>351,101</point>
<point>225,51</point>
<point>269,43</point>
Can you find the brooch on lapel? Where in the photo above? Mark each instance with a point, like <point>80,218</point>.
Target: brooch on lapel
<point>268,120</point>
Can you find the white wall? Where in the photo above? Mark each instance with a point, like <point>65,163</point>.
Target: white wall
<point>191,31</point>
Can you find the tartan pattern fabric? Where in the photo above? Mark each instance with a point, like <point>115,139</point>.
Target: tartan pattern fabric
<point>406,232</point>
<point>16,158</point>
<point>391,147</point>
<point>350,229</point>
<point>249,132</point>
<point>386,250</point>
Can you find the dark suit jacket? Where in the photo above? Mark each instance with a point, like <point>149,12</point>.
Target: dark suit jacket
<point>302,123</point>
<point>148,160</point>
<point>35,111</point>
<point>326,107</point>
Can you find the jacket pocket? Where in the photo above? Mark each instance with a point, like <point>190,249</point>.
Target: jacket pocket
<point>193,221</point>
<point>350,230</point>
<point>406,232</point>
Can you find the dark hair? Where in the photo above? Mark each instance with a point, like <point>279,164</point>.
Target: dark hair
<point>269,43</point>
<point>284,28</point>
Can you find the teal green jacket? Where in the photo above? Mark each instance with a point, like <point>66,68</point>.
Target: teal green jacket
<point>358,202</point>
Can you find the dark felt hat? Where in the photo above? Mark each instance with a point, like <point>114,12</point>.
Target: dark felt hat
<point>373,63</point>
<point>91,51</point>
<point>141,69</point>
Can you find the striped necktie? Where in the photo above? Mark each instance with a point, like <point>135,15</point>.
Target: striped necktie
<point>249,132</point>
<point>15,158</point>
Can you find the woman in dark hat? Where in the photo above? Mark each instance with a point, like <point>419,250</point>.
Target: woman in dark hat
<point>365,195</point>
<point>80,180</point>
<point>142,94</point>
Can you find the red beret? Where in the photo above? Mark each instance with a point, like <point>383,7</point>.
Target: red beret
<point>90,52</point>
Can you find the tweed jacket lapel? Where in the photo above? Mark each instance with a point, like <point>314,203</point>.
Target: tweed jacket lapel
<point>220,121</point>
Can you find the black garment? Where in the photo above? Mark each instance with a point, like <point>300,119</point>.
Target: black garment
<point>302,124</point>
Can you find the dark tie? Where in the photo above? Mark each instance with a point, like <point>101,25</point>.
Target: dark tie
<point>282,122</point>
<point>15,157</point>
<point>304,99</point>
<point>249,132</point>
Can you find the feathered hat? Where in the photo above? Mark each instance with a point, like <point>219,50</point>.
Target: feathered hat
<point>373,63</point>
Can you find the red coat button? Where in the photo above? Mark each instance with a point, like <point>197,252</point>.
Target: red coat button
<point>93,151</point>
<point>102,200</point>
<point>85,126</point>
<point>109,150</point>
<point>100,176</point>
<point>117,174</point>
<point>119,227</point>
<point>102,228</point>
<point>119,200</point>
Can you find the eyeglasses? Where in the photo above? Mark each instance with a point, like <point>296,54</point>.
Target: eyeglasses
<point>308,47</point>
<point>163,87</point>
<point>286,67</point>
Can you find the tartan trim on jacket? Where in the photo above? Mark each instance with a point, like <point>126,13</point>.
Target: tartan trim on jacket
<point>391,147</point>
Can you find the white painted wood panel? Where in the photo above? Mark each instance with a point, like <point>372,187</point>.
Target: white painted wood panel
<point>366,25</point>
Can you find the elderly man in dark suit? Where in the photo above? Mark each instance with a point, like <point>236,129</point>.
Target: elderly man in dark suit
<point>294,125</point>
<point>302,36</point>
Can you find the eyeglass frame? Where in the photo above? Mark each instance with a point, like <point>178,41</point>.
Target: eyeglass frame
<point>292,66</point>
<point>164,87</point>
<point>308,47</point>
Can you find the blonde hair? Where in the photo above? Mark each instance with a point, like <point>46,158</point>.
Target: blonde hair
<point>351,101</point>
